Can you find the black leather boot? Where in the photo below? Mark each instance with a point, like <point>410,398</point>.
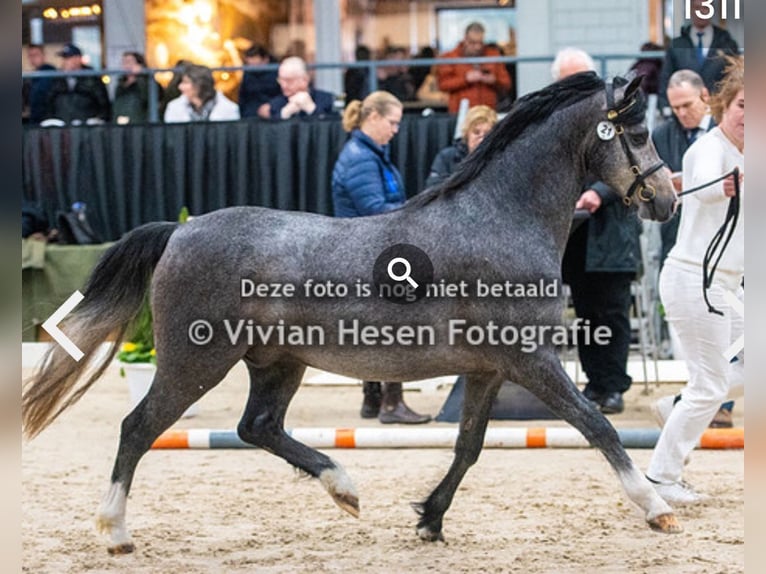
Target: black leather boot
<point>393,409</point>
<point>373,395</point>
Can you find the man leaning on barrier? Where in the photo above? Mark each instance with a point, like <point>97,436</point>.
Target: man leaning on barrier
<point>78,99</point>
<point>298,98</point>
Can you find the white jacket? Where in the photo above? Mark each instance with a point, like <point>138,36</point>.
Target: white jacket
<point>223,110</point>
<point>704,211</point>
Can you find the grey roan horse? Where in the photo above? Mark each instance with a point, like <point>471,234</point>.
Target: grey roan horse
<point>504,216</point>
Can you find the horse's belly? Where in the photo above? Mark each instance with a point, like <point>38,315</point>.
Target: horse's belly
<point>395,363</point>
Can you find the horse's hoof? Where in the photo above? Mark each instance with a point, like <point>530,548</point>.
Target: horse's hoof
<point>429,535</point>
<point>666,523</point>
<point>339,486</point>
<point>347,502</point>
<point>124,548</point>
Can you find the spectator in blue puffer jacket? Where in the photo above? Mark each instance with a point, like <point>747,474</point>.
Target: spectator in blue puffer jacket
<point>365,182</point>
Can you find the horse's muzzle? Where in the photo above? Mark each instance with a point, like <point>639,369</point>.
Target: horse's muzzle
<point>659,208</point>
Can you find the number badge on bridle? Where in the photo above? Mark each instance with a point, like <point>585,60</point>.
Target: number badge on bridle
<point>605,130</point>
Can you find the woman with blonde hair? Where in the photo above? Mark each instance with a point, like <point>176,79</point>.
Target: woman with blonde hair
<point>705,336</point>
<point>366,182</point>
<point>477,123</point>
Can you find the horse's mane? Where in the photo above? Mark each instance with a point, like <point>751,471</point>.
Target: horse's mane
<point>526,111</point>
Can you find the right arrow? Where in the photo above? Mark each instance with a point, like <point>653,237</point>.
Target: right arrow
<point>51,325</point>
<point>739,308</point>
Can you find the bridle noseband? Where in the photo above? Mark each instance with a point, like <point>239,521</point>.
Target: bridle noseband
<point>643,190</point>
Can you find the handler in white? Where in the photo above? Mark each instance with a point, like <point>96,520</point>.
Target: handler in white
<point>704,336</point>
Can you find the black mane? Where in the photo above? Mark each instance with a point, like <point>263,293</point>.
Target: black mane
<point>526,111</point>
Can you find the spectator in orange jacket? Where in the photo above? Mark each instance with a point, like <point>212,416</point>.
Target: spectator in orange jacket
<point>480,83</point>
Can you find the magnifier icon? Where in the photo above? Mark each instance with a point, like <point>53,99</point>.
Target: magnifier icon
<point>407,271</point>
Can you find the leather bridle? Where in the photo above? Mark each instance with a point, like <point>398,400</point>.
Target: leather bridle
<point>639,187</point>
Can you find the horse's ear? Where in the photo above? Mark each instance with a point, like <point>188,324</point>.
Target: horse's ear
<point>633,86</point>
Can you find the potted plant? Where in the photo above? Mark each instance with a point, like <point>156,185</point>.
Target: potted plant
<point>138,359</point>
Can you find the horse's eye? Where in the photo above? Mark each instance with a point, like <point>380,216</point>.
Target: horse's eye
<point>639,138</point>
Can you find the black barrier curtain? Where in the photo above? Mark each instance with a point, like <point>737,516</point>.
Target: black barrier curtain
<point>130,175</point>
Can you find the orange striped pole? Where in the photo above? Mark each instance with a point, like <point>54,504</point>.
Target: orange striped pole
<point>723,438</point>
<point>172,439</point>
<point>442,437</point>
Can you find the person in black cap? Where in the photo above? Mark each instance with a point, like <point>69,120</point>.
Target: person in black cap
<point>77,99</point>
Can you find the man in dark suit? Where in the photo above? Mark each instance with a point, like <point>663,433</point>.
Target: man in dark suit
<point>687,95</point>
<point>700,47</point>
<point>35,91</point>
<point>298,99</point>
<point>257,86</point>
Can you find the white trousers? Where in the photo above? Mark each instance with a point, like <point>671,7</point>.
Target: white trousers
<point>704,337</point>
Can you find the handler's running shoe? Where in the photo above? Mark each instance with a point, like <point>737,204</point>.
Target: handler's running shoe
<point>661,409</point>
<point>678,493</point>
<point>723,418</point>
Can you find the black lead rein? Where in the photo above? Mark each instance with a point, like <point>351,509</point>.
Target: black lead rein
<point>727,230</point>
<point>708,184</point>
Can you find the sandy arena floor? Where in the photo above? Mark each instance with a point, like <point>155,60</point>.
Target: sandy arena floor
<point>216,511</point>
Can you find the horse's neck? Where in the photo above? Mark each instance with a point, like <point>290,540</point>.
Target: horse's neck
<point>524,197</point>
<point>541,177</point>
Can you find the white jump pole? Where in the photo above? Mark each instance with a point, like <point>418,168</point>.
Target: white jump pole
<point>397,437</point>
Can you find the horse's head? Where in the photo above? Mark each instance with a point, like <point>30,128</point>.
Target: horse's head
<point>622,153</point>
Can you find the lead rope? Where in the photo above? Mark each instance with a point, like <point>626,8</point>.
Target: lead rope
<point>708,184</point>
<point>732,215</point>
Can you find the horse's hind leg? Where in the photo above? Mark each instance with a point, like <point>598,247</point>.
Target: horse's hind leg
<point>166,401</point>
<point>480,392</point>
<point>544,376</point>
<point>271,390</point>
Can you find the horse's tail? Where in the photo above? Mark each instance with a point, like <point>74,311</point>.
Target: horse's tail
<point>113,298</point>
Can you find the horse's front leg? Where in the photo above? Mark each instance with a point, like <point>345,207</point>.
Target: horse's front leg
<point>545,377</point>
<point>480,392</point>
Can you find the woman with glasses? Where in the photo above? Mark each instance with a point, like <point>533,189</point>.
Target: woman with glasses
<point>366,182</point>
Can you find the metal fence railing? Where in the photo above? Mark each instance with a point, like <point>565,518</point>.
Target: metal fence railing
<point>601,60</point>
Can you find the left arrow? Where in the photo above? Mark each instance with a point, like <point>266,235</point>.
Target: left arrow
<point>51,325</point>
